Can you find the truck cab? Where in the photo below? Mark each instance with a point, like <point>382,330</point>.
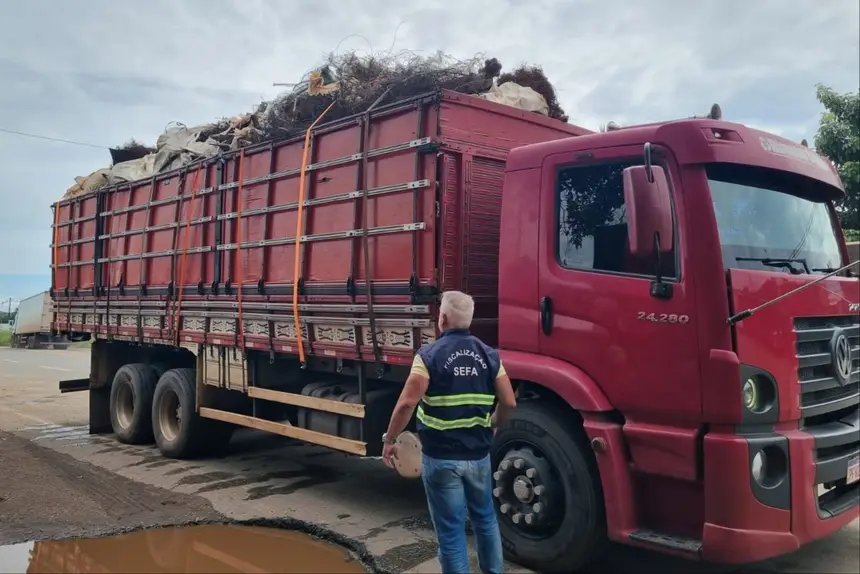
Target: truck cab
<point>623,257</point>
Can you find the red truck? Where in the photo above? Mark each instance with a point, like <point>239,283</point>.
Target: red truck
<point>625,276</point>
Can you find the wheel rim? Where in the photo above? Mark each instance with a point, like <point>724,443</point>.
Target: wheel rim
<point>124,406</point>
<point>169,416</point>
<point>529,494</point>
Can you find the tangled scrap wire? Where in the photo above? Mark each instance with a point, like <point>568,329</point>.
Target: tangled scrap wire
<point>353,83</point>
<point>130,150</point>
<point>362,80</point>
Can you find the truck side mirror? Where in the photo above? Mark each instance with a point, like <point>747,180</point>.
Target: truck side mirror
<point>649,210</point>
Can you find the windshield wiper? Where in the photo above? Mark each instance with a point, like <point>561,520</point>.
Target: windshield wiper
<point>787,263</point>
<point>848,272</point>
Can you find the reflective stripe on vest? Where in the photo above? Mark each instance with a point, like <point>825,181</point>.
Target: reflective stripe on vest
<point>444,425</point>
<point>459,400</point>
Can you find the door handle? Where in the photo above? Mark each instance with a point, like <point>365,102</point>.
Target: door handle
<point>546,315</point>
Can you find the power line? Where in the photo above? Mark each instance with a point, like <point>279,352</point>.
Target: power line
<point>48,138</point>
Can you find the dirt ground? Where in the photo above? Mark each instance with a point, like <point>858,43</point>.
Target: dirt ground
<point>46,494</point>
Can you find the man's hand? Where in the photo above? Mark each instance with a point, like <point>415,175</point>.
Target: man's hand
<point>389,453</point>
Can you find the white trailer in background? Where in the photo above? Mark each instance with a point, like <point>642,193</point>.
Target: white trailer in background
<point>32,326</point>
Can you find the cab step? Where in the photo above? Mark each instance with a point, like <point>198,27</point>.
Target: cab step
<point>667,541</point>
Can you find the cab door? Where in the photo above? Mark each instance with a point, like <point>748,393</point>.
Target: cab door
<point>597,307</point>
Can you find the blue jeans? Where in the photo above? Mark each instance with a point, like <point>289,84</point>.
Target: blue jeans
<point>453,487</point>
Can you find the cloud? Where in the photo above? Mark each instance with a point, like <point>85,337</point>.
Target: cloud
<point>100,71</point>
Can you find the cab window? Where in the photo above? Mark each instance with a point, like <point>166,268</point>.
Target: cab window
<point>592,223</point>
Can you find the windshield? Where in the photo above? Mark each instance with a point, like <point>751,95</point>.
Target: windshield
<point>770,229</point>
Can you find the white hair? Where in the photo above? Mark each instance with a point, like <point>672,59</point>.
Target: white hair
<point>458,308</point>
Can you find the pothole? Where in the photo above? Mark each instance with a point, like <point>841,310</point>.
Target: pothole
<point>186,549</point>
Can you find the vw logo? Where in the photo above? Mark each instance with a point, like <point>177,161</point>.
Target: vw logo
<point>841,355</point>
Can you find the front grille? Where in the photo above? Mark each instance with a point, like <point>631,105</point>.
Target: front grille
<point>821,392</point>
<point>830,407</point>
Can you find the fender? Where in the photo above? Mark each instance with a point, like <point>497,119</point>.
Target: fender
<point>570,383</point>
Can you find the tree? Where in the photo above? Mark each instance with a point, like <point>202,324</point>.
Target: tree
<point>838,138</point>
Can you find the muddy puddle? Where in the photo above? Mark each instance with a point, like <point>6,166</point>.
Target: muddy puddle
<point>203,549</point>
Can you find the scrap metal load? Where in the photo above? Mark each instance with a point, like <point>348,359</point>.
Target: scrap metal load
<point>349,84</point>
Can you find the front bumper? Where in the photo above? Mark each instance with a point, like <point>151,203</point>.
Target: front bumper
<point>746,523</point>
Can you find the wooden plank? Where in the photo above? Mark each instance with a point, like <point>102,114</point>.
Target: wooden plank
<point>327,405</point>
<point>313,437</point>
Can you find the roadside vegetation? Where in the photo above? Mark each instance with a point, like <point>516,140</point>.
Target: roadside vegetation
<point>838,138</point>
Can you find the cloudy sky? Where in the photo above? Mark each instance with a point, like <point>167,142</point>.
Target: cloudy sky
<point>102,71</point>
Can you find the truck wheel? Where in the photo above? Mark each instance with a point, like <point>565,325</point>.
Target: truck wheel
<point>159,368</point>
<point>179,430</point>
<point>32,343</point>
<point>131,403</point>
<point>549,500</point>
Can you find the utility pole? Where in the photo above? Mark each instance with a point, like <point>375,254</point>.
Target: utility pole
<point>8,308</point>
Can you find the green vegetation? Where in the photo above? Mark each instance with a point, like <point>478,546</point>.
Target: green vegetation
<point>5,338</point>
<point>838,138</point>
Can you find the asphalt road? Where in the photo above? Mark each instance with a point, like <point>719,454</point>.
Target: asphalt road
<point>267,476</point>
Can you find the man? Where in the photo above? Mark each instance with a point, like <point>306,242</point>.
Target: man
<point>454,382</point>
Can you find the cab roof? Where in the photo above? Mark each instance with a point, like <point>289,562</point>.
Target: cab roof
<point>694,141</point>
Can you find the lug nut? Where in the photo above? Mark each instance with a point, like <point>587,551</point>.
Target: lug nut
<point>497,492</point>
<point>497,475</point>
<point>505,508</point>
<point>516,518</point>
<point>538,490</point>
<point>518,463</point>
<point>530,518</point>
<point>506,464</point>
<point>537,507</point>
<point>531,473</point>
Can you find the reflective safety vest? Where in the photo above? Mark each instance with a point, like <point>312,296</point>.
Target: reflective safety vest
<point>454,414</point>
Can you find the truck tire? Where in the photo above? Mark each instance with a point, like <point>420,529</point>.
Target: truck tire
<point>160,368</point>
<point>179,431</point>
<point>131,403</point>
<point>550,506</point>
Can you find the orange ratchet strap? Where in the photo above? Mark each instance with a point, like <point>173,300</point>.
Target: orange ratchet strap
<point>240,279</point>
<point>302,180</point>
<point>177,325</point>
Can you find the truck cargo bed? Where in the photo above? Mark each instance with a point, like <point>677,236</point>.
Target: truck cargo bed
<point>404,199</point>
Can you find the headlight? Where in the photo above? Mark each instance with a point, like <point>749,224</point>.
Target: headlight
<point>758,463</point>
<point>758,394</point>
<point>751,395</point>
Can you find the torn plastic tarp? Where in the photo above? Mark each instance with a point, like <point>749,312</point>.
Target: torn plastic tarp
<point>517,96</point>
<point>179,145</point>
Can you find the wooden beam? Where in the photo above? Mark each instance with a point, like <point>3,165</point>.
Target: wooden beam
<point>327,405</point>
<point>335,442</point>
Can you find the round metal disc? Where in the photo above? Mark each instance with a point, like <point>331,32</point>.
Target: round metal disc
<point>408,461</point>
